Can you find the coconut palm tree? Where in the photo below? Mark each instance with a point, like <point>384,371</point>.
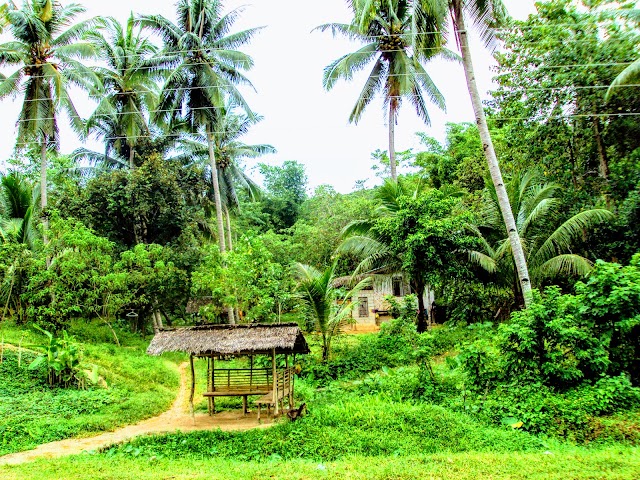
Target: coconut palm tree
<point>205,69</point>
<point>329,306</point>
<point>130,87</point>
<point>548,250</point>
<point>398,60</point>
<point>47,51</point>
<point>484,14</point>
<point>229,151</point>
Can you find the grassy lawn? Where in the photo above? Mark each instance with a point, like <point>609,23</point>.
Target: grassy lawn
<point>608,463</point>
<point>133,386</point>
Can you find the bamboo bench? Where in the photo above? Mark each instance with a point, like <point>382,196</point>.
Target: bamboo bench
<point>239,382</point>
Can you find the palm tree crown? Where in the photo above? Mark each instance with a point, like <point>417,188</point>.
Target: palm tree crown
<point>397,72</point>
<point>130,83</point>
<point>47,51</point>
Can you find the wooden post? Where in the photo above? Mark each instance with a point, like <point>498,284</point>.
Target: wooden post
<point>193,387</point>
<point>251,372</point>
<point>209,385</point>
<point>213,384</point>
<point>290,389</point>
<point>293,379</point>
<point>275,381</point>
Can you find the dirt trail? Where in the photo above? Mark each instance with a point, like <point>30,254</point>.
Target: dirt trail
<point>178,417</point>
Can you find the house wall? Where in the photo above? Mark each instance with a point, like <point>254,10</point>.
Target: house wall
<point>370,319</point>
<point>383,286</point>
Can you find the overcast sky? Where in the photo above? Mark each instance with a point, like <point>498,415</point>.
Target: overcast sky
<point>302,120</point>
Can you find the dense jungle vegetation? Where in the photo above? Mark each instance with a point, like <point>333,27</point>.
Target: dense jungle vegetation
<point>530,365</point>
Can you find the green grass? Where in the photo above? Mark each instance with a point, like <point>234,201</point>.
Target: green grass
<point>365,426</point>
<point>133,386</point>
<point>609,463</point>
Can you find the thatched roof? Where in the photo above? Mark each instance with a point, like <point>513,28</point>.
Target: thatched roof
<point>230,339</point>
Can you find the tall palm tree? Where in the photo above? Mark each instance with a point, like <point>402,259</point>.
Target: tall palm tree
<point>329,306</point>
<point>548,250</point>
<point>397,64</point>
<point>205,69</point>
<point>47,50</point>
<point>130,83</point>
<point>229,151</point>
<point>484,14</point>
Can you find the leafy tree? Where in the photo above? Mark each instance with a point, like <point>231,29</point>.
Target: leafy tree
<point>146,205</point>
<point>423,235</point>
<point>557,117</point>
<point>155,282</point>
<point>398,72</point>
<point>286,190</point>
<point>458,162</point>
<point>47,50</point>
<point>330,307</point>
<point>76,283</point>
<point>319,227</point>
<point>247,278</point>
<point>205,69</point>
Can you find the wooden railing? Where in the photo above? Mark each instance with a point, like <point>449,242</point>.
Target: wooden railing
<point>242,380</point>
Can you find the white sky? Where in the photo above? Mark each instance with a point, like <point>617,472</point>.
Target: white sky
<point>302,120</point>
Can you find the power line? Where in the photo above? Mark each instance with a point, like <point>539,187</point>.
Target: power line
<point>532,118</point>
<point>216,87</point>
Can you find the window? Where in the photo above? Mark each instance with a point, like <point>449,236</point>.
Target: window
<point>397,286</point>
<point>363,307</point>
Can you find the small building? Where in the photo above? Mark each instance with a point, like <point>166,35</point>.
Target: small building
<point>215,342</point>
<point>373,309</point>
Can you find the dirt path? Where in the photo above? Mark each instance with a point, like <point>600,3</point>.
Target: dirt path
<point>178,417</point>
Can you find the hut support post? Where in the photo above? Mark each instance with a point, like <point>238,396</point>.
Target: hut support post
<point>209,385</point>
<point>275,382</point>
<point>213,384</point>
<point>193,387</point>
<point>290,389</point>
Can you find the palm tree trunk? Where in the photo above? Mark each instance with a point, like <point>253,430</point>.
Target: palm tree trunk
<point>216,190</point>
<point>43,188</point>
<point>392,139</point>
<point>228,219</point>
<point>490,154</point>
<point>131,155</point>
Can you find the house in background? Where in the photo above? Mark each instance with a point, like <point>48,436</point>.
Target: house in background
<point>373,309</point>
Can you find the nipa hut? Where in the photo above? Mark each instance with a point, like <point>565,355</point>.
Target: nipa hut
<point>213,342</point>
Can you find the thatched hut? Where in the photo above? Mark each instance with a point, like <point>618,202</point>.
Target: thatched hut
<point>220,341</point>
